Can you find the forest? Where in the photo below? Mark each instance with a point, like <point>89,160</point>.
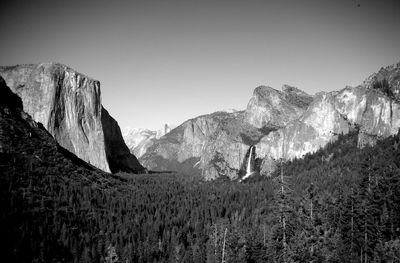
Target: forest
<point>340,204</point>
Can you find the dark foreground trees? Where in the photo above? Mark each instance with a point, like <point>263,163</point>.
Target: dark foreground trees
<point>343,208</point>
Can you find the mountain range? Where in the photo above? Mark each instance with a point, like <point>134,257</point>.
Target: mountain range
<point>59,208</point>
<point>281,124</point>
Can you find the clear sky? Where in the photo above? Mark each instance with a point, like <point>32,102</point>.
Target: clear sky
<point>167,61</point>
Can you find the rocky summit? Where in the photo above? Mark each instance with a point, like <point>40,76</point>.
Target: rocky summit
<point>218,144</point>
<point>68,104</point>
<point>271,107</point>
<point>283,125</point>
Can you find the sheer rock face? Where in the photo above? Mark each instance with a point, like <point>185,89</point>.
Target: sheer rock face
<point>182,143</point>
<point>330,114</point>
<point>212,145</point>
<point>284,125</point>
<point>117,153</point>
<point>68,104</point>
<point>270,107</point>
<point>217,143</point>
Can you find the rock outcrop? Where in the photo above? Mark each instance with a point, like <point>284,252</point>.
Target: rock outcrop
<point>212,145</point>
<point>271,107</point>
<point>217,144</point>
<point>387,80</point>
<point>68,104</point>
<point>282,125</point>
<point>369,107</point>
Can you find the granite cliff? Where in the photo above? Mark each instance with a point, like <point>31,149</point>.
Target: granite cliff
<point>68,104</point>
<point>373,108</point>
<point>271,107</point>
<point>217,144</point>
<point>282,125</point>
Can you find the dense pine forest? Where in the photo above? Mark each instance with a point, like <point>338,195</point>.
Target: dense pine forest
<point>341,204</point>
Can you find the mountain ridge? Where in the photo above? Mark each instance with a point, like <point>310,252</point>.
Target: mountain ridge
<point>281,124</point>
<point>292,122</point>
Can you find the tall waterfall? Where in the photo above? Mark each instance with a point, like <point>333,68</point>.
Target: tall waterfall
<point>249,170</point>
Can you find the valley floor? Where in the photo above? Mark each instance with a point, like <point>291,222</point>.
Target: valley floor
<point>341,209</point>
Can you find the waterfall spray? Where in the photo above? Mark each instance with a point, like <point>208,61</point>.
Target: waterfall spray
<point>249,170</point>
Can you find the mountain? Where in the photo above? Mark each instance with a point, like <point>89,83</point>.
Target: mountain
<point>43,186</point>
<point>217,144</point>
<point>372,107</point>
<point>68,104</point>
<point>139,139</point>
<point>58,208</point>
<point>24,138</point>
<point>282,125</point>
<point>271,107</point>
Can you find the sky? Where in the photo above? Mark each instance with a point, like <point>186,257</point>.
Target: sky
<point>166,61</point>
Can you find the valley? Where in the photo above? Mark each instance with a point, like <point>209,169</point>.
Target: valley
<point>200,131</point>
<point>339,202</point>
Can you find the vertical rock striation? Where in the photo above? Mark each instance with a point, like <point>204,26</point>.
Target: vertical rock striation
<point>217,143</point>
<point>284,125</point>
<point>373,109</point>
<point>68,104</point>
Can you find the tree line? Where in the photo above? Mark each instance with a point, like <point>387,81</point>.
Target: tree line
<point>340,204</point>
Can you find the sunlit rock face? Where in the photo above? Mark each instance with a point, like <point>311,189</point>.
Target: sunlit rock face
<point>185,142</point>
<point>211,145</point>
<point>271,107</point>
<point>318,125</point>
<point>374,113</point>
<point>224,153</point>
<point>283,124</point>
<point>216,144</point>
<point>68,104</point>
<point>299,123</point>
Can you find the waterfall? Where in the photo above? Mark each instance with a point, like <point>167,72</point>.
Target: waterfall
<point>249,171</point>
